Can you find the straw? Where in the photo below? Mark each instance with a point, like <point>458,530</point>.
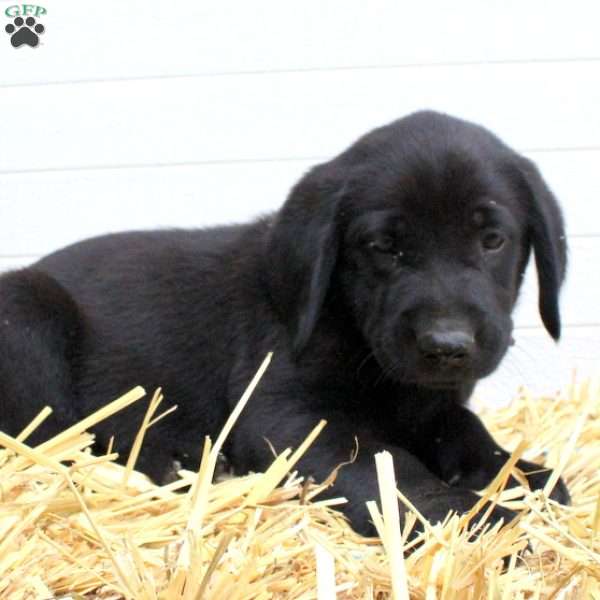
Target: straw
<point>77,525</point>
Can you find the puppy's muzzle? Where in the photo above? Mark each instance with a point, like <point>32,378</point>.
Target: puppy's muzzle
<point>446,346</point>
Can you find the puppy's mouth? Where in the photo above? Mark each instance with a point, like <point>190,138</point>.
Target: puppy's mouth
<point>441,385</point>
<point>446,380</point>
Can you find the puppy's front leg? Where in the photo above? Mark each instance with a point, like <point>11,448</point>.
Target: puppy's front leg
<point>431,496</point>
<point>462,453</point>
<point>356,481</point>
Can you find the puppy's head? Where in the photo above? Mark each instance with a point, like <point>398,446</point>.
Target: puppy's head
<point>419,235</point>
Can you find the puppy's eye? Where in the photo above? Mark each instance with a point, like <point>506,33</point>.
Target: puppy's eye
<point>492,241</point>
<point>384,244</point>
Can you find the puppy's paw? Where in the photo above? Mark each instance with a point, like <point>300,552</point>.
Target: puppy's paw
<point>436,505</point>
<point>560,493</point>
<point>537,476</point>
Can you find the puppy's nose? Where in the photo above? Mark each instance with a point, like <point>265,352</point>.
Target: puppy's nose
<point>446,347</point>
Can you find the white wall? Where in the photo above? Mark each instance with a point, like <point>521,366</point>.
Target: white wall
<point>145,114</point>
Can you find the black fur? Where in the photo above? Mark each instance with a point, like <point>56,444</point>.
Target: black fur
<point>384,286</point>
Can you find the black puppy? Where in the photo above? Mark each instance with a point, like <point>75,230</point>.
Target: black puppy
<point>384,286</point>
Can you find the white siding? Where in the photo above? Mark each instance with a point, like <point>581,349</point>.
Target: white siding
<point>145,114</point>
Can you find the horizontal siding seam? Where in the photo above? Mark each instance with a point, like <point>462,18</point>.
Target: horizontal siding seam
<point>237,161</point>
<point>300,70</point>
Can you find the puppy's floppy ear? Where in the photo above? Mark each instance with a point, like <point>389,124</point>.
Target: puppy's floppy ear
<point>301,252</point>
<point>547,236</point>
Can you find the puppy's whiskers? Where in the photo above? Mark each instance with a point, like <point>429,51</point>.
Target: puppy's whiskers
<point>363,362</point>
<point>390,372</point>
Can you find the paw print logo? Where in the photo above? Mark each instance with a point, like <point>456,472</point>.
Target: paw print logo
<point>24,32</point>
